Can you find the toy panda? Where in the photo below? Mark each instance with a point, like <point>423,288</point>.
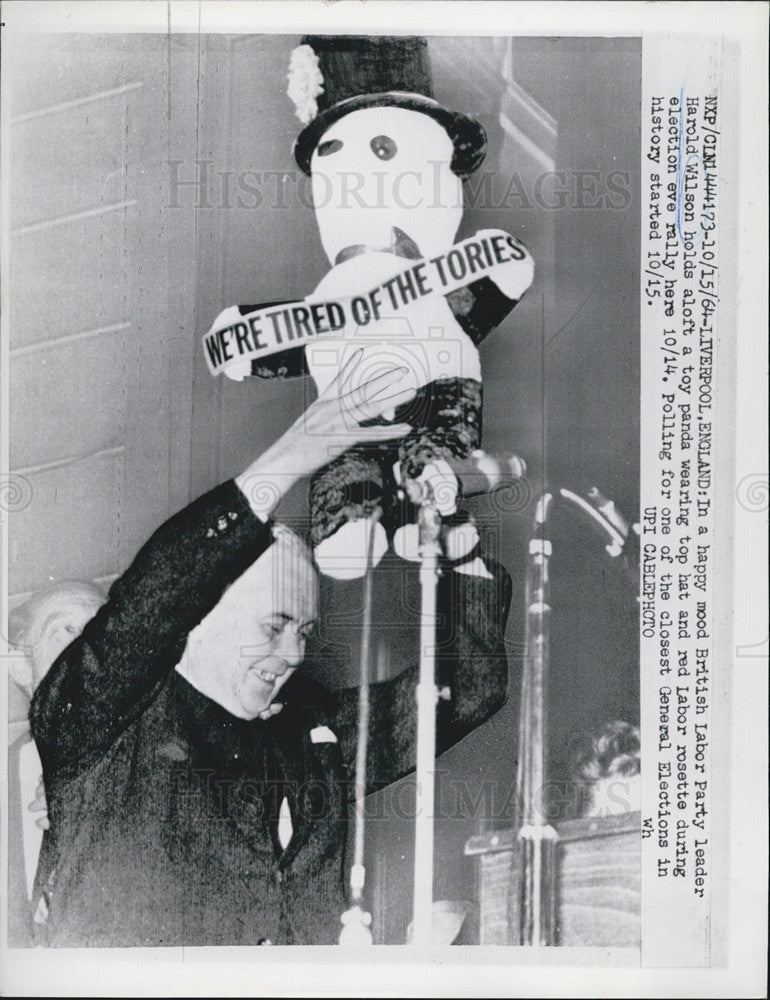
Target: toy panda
<point>386,163</point>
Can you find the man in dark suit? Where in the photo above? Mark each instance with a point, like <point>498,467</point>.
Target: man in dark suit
<point>187,804</point>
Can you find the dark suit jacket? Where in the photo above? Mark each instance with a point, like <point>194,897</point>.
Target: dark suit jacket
<point>164,807</point>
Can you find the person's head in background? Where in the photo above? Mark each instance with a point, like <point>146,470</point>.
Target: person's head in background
<point>608,772</point>
<point>45,624</point>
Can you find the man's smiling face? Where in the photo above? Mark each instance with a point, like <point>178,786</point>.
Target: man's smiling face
<point>245,650</point>
<point>270,656</point>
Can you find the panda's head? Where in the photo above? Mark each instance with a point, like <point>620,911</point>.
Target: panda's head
<point>381,169</point>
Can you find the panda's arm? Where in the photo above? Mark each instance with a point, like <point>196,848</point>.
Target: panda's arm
<point>482,305</point>
<point>283,364</point>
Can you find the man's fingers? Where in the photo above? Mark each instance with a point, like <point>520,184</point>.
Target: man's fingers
<point>339,385</point>
<point>371,408</point>
<point>384,432</point>
<point>377,387</point>
<point>373,387</point>
<point>376,396</point>
<point>271,710</point>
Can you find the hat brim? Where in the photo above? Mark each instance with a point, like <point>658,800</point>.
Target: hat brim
<point>467,135</point>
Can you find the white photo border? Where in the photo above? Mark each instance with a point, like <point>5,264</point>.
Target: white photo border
<point>481,971</point>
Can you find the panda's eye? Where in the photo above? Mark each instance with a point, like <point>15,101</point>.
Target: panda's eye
<point>383,147</point>
<point>329,147</point>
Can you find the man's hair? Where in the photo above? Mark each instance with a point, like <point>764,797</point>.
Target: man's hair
<point>286,565</point>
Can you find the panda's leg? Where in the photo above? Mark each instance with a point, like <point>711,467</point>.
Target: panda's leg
<point>344,496</point>
<point>446,421</point>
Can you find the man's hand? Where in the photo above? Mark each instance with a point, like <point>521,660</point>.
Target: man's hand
<point>38,804</point>
<point>271,710</point>
<point>328,427</point>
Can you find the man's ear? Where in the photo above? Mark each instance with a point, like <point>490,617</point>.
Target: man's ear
<point>22,673</point>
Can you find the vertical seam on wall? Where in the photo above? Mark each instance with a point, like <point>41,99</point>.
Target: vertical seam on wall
<point>171,350</point>
<point>123,391</point>
<point>222,234</point>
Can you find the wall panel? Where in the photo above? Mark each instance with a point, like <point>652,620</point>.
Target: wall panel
<point>102,296</point>
<point>73,526</point>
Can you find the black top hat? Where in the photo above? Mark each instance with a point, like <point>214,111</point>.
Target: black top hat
<point>332,75</point>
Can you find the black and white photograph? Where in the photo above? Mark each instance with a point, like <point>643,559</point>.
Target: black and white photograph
<point>363,520</point>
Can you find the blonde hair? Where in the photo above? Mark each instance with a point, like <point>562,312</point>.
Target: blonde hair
<point>60,603</point>
<point>28,621</point>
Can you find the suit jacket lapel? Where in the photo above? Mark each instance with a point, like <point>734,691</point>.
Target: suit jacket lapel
<point>293,766</point>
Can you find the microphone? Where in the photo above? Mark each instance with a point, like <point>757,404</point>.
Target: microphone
<point>485,472</point>
<point>442,479</point>
<point>621,541</point>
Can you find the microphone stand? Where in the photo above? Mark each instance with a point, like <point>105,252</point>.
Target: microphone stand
<point>534,903</point>
<point>427,694</point>
<point>537,839</point>
<point>481,473</point>
<point>356,922</point>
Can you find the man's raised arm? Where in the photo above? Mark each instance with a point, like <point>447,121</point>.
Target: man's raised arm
<point>111,672</point>
<point>107,676</point>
